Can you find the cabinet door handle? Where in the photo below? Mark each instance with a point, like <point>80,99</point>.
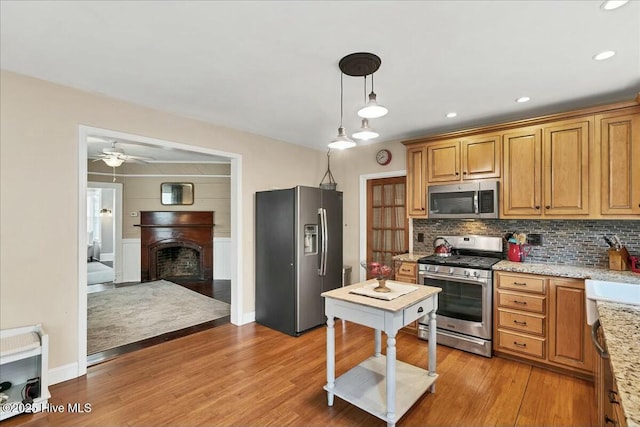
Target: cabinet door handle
<point>537,207</point>
<point>420,309</point>
<point>520,344</point>
<point>520,323</point>
<point>520,302</point>
<point>519,284</point>
<point>457,173</point>
<point>547,207</point>
<point>464,173</point>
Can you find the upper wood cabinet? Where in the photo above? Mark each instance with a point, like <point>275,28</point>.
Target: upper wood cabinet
<point>416,182</point>
<point>581,164</point>
<point>620,163</point>
<point>546,170</point>
<point>521,191</point>
<point>477,157</point>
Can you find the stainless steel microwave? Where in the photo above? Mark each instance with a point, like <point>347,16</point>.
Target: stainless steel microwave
<point>468,200</point>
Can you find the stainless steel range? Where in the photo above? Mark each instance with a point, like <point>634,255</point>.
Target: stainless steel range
<point>464,315</point>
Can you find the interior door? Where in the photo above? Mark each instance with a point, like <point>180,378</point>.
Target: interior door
<point>387,222</point>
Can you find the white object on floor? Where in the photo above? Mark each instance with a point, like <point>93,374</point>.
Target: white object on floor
<point>99,273</point>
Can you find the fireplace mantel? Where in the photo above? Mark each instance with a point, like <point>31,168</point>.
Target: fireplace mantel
<point>162,229</point>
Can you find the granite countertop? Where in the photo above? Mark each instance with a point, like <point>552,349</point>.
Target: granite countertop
<point>574,272</point>
<point>410,257</point>
<point>621,326</point>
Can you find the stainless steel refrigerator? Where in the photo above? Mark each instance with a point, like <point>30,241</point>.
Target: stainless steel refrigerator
<point>298,256</point>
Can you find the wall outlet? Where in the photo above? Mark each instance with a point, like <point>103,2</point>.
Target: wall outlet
<point>420,237</point>
<point>133,214</point>
<point>534,239</point>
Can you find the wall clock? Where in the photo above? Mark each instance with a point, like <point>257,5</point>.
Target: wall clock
<point>383,157</point>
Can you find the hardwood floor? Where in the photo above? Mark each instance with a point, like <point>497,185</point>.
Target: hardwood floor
<point>254,376</point>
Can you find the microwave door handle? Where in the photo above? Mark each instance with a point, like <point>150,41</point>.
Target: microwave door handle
<point>475,202</point>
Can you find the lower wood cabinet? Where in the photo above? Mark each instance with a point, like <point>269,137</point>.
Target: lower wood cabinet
<point>569,339</point>
<point>542,319</point>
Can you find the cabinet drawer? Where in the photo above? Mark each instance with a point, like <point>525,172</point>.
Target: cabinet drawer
<point>521,343</point>
<point>519,301</point>
<point>520,321</point>
<point>407,269</point>
<point>521,283</point>
<point>406,279</point>
<point>416,311</point>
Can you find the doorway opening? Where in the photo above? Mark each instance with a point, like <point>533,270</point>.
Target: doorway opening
<point>234,293</point>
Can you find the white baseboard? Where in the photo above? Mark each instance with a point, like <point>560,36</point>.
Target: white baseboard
<point>106,257</point>
<point>63,373</point>
<point>248,318</point>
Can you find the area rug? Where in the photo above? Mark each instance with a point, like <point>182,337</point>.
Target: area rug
<point>120,316</point>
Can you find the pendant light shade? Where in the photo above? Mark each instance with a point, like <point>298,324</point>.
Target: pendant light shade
<point>342,141</point>
<point>365,133</point>
<point>372,110</point>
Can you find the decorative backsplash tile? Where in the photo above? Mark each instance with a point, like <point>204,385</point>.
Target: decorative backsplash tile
<point>564,241</point>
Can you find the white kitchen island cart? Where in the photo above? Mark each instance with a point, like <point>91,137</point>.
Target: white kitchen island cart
<point>372,384</point>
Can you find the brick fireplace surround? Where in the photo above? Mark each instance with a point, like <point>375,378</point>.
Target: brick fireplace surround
<point>163,232</point>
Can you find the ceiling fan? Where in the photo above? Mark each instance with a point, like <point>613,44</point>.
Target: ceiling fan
<point>115,156</point>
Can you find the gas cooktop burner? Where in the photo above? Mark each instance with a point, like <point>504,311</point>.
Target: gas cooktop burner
<point>460,261</point>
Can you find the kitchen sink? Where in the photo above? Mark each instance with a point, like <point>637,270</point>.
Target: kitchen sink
<point>600,290</point>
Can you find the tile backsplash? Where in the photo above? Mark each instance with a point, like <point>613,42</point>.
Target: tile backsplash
<point>564,241</point>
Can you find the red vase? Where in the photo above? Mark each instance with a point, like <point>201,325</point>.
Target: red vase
<point>515,253</point>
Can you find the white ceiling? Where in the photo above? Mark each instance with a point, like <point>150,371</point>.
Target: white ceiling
<point>271,68</point>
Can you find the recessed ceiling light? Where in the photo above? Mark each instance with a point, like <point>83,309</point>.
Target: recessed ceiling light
<point>613,4</point>
<point>523,99</point>
<point>604,55</point>
<point>451,115</point>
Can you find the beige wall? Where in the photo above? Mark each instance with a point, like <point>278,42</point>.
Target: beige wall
<point>350,165</point>
<point>142,193</point>
<point>39,193</point>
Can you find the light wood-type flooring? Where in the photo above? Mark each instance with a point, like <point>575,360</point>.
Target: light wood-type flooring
<point>254,376</point>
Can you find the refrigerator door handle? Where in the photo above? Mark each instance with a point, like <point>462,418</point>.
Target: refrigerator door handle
<point>322,213</point>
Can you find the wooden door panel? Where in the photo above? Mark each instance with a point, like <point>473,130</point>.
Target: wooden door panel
<point>443,162</point>
<point>416,185</point>
<point>481,157</point>
<point>620,162</point>
<point>566,169</point>
<point>521,191</point>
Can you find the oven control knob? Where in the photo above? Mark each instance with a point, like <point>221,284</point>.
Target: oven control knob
<point>476,274</point>
<point>451,270</point>
<point>466,273</point>
<point>435,269</point>
<point>427,268</point>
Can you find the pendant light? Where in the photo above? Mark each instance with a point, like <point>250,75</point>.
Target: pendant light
<point>342,141</point>
<point>365,133</point>
<point>372,109</point>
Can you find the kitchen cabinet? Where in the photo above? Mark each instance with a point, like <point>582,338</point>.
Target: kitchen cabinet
<point>620,162</point>
<point>569,344</point>
<point>473,158</point>
<point>546,170</point>
<point>580,164</point>
<point>608,405</point>
<point>416,181</point>
<point>542,319</point>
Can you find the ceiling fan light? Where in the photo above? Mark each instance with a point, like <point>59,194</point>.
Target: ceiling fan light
<point>342,141</point>
<point>372,110</point>
<point>365,133</point>
<point>113,162</point>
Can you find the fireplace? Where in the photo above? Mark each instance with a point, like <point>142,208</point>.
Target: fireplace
<point>176,244</point>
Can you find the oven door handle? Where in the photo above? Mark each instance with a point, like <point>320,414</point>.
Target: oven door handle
<point>480,281</point>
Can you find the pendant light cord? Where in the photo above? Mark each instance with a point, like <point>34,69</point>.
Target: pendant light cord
<point>341,96</point>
